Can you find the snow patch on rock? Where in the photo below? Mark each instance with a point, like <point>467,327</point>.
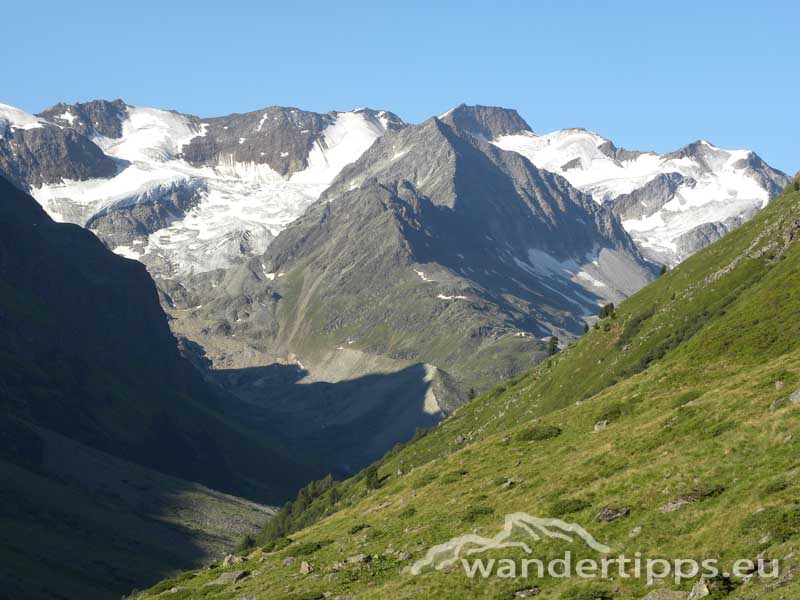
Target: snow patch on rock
<point>718,184</point>
<point>14,118</point>
<point>244,205</point>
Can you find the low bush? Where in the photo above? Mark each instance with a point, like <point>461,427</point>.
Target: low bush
<point>309,548</point>
<point>476,511</point>
<point>567,506</point>
<point>537,433</point>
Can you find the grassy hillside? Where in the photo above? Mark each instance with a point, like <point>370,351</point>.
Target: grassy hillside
<point>681,407</point>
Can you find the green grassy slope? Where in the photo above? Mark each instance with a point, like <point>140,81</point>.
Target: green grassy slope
<point>693,380</point>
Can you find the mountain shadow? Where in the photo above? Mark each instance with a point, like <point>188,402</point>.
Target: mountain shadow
<point>108,436</point>
<point>343,425</point>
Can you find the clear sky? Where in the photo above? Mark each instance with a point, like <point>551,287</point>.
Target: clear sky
<point>649,75</point>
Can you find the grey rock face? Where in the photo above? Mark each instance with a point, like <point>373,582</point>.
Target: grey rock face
<point>697,150</point>
<point>137,217</point>
<point>98,117</point>
<point>435,248</point>
<point>697,184</point>
<point>772,180</point>
<point>488,205</point>
<point>649,198</point>
<point>277,136</point>
<point>228,578</point>
<point>699,237</point>
<point>485,122</point>
<point>619,154</point>
<point>609,514</point>
<point>49,154</point>
<point>575,163</point>
<point>251,156</point>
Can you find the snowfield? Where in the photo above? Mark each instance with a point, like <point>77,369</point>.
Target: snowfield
<point>242,206</point>
<point>671,204</point>
<point>13,118</point>
<point>719,186</point>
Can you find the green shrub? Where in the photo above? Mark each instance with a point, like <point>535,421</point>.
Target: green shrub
<point>567,506</point>
<point>407,512</point>
<point>356,528</point>
<point>423,480</point>
<point>168,584</point>
<point>611,413</point>
<point>309,548</point>
<point>276,544</point>
<point>607,310</point>
<point>454,476</point>
<point>476,511</point>
<point>776,487</point>
<point>248,543</point>
<point>371,478</point>
<point>313,502</point>
<point>781,524</point>
<point>634,325</point>
<point>719,428</point>
<point>419,433</point>
<point>587,594</point>
<point>702,492</point>
<point>686,397</point>
<point>537,433</point>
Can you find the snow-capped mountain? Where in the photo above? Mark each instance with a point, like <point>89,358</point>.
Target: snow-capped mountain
<point>187,195</point>
<point>436,261</point>
<point>182,194</point>
<point>671,204</point>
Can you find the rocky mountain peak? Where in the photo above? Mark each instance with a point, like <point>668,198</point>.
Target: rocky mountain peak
<point>38,152</point>
<point>703,153</point>
<point>619,154</point>
<point>389,120</point>
<point>285,138</point>
<point>485,122</point>
<point>98,117</point>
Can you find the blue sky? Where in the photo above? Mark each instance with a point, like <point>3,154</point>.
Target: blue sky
<point>650,76</point>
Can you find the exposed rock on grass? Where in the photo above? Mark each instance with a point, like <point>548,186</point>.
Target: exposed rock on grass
<point>229,577</point>
<point>609,514</point>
